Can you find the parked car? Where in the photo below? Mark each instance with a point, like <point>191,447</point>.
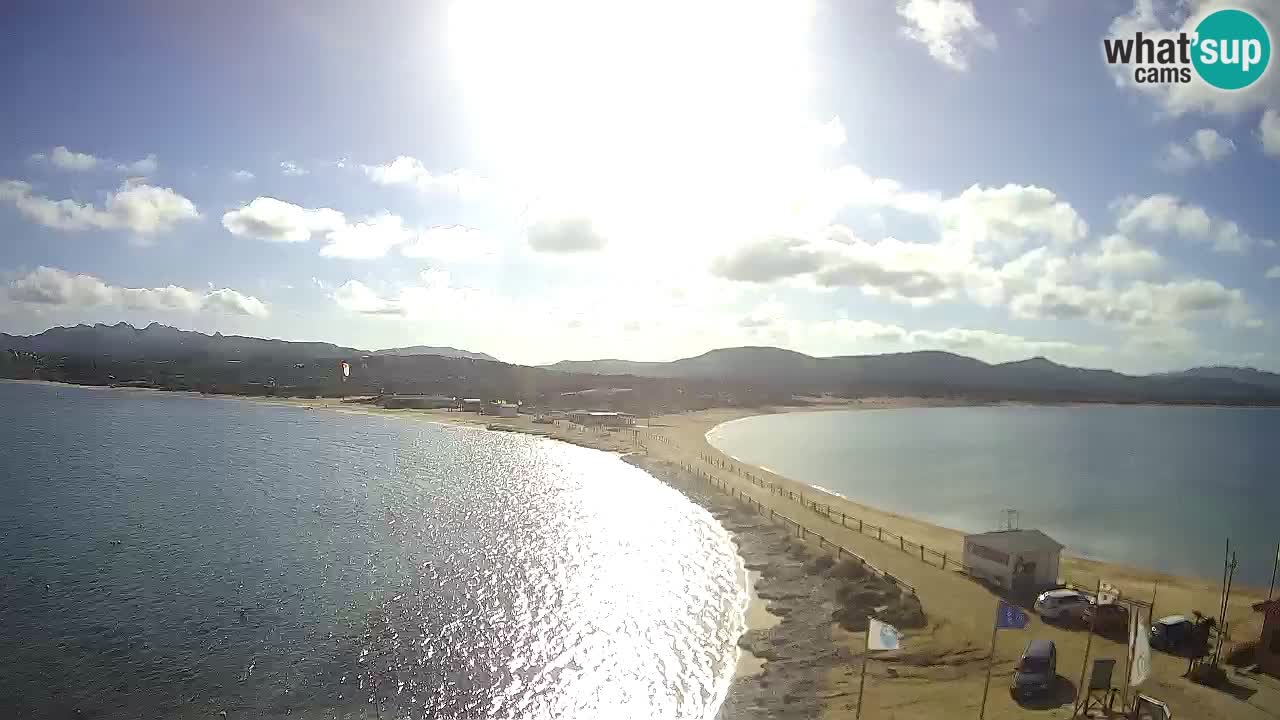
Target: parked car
<point>1036,672</point>
<point>1179,635</point>
<point>1060,606</point>
<point>1110,619</point>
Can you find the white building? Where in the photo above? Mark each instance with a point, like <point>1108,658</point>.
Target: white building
<point>1016,560</point>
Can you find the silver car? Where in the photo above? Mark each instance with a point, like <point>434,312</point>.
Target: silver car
<point>1061,605</point>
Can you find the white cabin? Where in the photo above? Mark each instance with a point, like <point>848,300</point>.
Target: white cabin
<point>998,556</point>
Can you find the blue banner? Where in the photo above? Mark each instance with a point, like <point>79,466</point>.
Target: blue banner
<point>1009,617</point>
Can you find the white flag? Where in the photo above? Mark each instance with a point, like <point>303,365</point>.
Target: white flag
<point>1140,637</point>
<point>882,636</point>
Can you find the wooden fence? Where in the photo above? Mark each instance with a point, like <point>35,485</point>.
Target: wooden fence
<point>801,531</point>
<point>928,555</point>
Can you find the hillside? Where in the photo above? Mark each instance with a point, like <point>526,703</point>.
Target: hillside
<point>163,356</point>
<point>434,350</point>
<point>942,373</point>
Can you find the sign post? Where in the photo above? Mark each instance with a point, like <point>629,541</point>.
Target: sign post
<point>1007,617</point>
<point>880,636</point>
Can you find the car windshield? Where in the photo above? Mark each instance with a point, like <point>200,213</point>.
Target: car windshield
<point>672,359</point>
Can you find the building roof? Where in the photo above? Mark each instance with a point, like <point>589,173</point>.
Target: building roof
<point>1267,606</point>
<point>1015,540</point>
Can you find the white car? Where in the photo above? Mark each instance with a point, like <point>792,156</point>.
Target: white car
<point>1060,605</point>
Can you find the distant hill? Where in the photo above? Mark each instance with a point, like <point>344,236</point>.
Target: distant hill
<point>433,350</point>
<point>162,341</point>
<point>1236,374</point>
<point>944,373</point>
<point>168,357</point>
<point>156,340</point>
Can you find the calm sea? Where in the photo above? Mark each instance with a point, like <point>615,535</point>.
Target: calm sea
<point>175,556</point>
<point>1155,487</point>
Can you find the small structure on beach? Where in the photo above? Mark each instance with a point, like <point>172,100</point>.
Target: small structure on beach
<point>501,409</point>
<point>474,405</point>
<point>602,418</point>
<point>1267,654</point>
<point>1020,561</point>
<point>421,402</point>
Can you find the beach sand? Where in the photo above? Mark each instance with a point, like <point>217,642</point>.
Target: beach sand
<point>941,669</point>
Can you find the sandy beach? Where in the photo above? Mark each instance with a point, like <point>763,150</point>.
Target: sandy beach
<point>800,663</point>
<point>941,670</point>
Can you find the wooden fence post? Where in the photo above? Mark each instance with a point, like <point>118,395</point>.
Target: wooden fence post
<point>859,526</point>
<point>902,543</point>
<point>944,561</point>
<point>922,553</point>
<point>881,538</point>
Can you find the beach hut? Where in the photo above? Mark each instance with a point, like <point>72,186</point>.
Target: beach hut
<point>1021,561</point>
<point>1267,654</point>
<point>472,405</point>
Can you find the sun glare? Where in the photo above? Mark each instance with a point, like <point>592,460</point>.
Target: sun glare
<point>662,121</point>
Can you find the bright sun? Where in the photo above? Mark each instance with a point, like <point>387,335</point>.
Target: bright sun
<point>663,121</point>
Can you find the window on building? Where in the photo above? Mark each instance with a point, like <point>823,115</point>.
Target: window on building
<point>987,553</point>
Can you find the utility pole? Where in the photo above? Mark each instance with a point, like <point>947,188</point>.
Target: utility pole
<point>1274,564</point>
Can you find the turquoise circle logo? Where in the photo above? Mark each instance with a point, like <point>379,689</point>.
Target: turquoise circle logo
<point>1232,49</point>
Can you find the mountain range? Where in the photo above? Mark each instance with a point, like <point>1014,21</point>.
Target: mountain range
<point>937,372</point>
<point>742,370</point>
<point>124,340</point>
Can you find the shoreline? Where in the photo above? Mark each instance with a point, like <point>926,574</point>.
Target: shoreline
<point>810,664</point>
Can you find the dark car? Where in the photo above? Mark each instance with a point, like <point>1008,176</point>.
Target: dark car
<point>1178,635</point>
<point>1036,671</point>
<point>1109,619</point>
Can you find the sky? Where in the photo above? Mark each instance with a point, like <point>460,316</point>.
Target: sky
<point>581,179</point>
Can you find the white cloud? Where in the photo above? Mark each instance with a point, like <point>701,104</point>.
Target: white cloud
<point>763,315</point>
<point>266,218</point>
<point>434,296</point>
<point>370,238</point>
<point>1269,132</point>
<point>65,159</point>
<point>769,259</point>
<point>451,242</point>
<point>137,207</point>
<point>273,220</point>
<point>1010,216</point>
<point>1205,147</point>
<point>567,234</point>
<point>242,176</point>
<point>1273,273</point>
<point>405,170</point>
<point>1142,304</point>
<point>844,335</point>
<point>950,29</point>
<point>1118,255</point>
<point>355,296</point>
<point>145,166</point>
<point>53,287</point>
<point>1168,214</point>
<point>292,169</point>
<point>1162,19</point>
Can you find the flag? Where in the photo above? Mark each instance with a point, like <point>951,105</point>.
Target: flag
<point>882,636</point>
<point>1010,617</point>
<point>1140,638</point>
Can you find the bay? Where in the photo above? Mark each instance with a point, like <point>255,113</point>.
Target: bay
<point>1147,486</point>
